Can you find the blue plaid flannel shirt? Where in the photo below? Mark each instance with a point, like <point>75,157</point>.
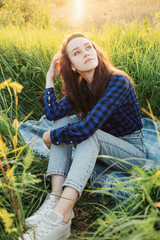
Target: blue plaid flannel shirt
<point>117,112</point>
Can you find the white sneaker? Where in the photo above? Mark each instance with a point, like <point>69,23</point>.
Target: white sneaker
<point>50,227</point>
<point>48,204</point>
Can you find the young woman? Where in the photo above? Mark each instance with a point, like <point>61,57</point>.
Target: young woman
<point>108,123</point>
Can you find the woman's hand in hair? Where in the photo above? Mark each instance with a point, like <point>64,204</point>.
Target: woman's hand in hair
<point>47,139</point>
<point>53,72</point>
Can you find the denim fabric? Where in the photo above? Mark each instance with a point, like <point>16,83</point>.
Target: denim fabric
<point>120,154</point>
<point>107,181</point>
<point>32,132</point>
<point>102,176</point>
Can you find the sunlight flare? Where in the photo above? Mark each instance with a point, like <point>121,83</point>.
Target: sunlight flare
<point>79,9</point>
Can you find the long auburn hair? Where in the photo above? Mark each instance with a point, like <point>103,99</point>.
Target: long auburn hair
<point>72,80</point>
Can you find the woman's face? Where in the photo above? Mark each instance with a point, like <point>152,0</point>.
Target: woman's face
<point>82,55</point>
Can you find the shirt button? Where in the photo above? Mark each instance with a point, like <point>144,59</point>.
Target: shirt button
<point>49,98</point>
<point>48,92</point>
<point>49,104</point>
<point>71,141</point>
<point>57,143</point>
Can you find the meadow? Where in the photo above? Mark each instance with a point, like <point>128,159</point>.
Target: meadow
<point>26,51</point>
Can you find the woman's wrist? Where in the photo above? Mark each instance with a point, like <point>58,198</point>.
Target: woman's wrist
<point>49,82</point>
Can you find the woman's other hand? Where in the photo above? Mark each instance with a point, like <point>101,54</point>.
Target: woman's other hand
<point>47,139</point>
<point>53,72</point>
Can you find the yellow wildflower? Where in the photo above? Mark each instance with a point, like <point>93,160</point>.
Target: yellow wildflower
<point>10,174</point>
<point>2,146</point>
<point>143,196</point>
<point>7,220</point>
<point>5,83</point>
<point>17,86</point>
<point>15,140</point>
<point>157,173</point>
<point>15,123</point>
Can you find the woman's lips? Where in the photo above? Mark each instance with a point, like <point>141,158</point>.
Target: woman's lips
<point>88,60</point>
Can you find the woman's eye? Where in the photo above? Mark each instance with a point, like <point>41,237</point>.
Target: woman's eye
<point>88,47</point>
<point>76,53</point>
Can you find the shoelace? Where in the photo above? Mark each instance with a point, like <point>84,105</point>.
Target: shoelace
<point>45,206</point>
<point>40,230</point>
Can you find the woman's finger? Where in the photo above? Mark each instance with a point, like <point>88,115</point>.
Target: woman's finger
<point>47,144</point>
<point>56,57</point>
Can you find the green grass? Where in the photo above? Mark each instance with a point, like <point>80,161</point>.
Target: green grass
<point>26,53</point>
<point>25,56</point>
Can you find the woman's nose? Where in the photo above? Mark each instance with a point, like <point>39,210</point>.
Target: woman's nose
<point>85,53</point>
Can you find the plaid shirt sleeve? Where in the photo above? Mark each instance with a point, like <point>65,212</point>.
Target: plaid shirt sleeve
<point>116,92</point>
<point>53,109</point>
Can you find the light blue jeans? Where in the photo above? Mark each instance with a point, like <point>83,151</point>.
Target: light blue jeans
<point>118,153</point>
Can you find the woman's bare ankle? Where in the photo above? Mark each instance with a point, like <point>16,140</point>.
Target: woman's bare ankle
<point>66,214</point>
<point>57,194</point>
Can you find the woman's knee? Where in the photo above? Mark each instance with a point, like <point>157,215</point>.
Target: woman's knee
<point>91,142</point>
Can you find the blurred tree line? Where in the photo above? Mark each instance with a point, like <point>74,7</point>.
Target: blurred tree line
<point>22,12</point>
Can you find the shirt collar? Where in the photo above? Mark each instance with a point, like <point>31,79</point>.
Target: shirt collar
<point>84,86</point>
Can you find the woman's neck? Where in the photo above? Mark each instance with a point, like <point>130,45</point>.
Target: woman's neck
<point>88,76</point>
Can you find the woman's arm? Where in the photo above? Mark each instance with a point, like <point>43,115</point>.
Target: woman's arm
<point>53,109</point>
<point>116,92</point>
<point>53,72</point>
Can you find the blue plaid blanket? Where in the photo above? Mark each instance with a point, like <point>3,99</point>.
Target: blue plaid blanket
<point>102,180</point>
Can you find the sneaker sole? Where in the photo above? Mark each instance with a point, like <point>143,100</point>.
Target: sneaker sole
<point>34,222</point>
<point>66,237</point>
